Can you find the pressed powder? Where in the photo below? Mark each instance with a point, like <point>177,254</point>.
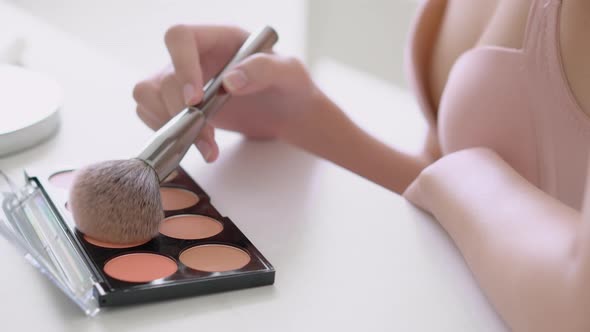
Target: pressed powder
<point>177,198</point>
<point>140,267</point>
<point>103,244</point>
<point>62,179</point>
<point>190,227</point>
<point>214,258</point>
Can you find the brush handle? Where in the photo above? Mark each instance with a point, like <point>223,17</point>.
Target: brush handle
<point>170,143</point>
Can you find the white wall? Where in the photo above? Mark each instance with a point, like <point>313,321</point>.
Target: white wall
<point>133,30</point>
<point>367,34</point>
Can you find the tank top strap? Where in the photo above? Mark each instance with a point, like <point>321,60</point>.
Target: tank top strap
<point>541,38</point>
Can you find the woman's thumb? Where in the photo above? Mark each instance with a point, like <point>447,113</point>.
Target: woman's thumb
<point>256,73</point>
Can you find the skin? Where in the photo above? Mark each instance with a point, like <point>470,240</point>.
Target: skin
<point>498,220</point>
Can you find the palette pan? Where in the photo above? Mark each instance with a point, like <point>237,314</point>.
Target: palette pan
<point>197,251</point>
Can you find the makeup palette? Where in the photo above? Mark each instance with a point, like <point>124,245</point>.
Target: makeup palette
<point>197,251</point>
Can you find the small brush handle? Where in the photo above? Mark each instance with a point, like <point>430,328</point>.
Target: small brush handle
<point>170,143</point>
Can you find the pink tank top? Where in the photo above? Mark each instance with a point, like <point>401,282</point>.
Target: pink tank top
<point>516,102</point>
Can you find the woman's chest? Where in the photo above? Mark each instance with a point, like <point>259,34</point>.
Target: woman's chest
<point>485,104</point>
<point>465,24</point>
<point>499,99</point>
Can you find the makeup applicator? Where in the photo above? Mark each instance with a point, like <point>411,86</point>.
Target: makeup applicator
<point>118,201</point>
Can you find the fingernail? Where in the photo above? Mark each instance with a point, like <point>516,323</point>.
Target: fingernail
<point>205,149</point>
<point>235,80</point>
<point>189,94</point>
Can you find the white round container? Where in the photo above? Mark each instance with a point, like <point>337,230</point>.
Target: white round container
<point>29,105</point>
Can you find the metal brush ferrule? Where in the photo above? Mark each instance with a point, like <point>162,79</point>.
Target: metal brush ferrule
<point>169,144</point>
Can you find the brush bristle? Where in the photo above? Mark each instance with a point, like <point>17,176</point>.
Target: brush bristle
<point>117,201</point>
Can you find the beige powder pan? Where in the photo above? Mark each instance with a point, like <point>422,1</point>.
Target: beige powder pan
<point>190,227</point>
<point>103,244</point>
<point>214,258</point>
<point>140,267</point>
<point>177,198</point>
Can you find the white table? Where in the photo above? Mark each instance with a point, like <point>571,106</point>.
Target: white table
<point>349,255</point>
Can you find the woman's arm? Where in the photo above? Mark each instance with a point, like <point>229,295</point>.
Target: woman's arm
<point>326,131</point>
<point>529,252</point>
<point>273,96</point>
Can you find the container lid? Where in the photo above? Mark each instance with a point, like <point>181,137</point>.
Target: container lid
<point>30,222</point>
<point>29,105</point>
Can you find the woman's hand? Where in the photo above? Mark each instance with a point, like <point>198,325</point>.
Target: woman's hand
<point>268,90</point>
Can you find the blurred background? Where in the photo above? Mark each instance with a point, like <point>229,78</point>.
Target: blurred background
<point>353,48</point>
<point>368,35</point>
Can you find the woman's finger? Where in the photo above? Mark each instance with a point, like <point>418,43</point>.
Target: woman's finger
<point>147,95</point>
<point>149,118</point>
<point>186,45</point>
<point>258,72</point>
<point>171,94</point>
<point>207,145</point>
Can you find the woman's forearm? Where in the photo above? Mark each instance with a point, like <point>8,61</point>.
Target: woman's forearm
<point>521,244</point>
<point>326,131</point>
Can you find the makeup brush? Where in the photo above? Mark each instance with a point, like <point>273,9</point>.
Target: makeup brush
<point>118,201</point>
